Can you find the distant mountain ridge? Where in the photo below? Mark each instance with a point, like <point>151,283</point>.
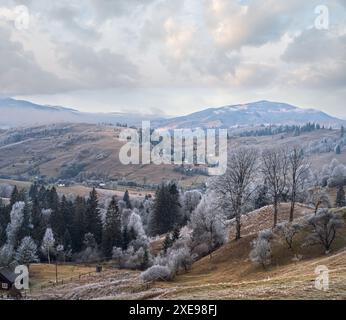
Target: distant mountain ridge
<point>18,113</point>
<point>251,114</point>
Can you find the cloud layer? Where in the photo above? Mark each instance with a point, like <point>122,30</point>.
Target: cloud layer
<point>251,48</point>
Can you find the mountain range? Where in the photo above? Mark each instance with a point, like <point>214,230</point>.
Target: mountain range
<point>17,113</point>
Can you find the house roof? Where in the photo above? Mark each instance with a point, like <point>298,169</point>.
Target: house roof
<point>8,274</point>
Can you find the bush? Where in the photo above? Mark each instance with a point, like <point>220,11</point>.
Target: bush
<point>156,273</point>
<point>261,252</point>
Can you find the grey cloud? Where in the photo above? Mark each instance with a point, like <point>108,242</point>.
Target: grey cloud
<point>97,69</point>
<point>316,45</point>
<point>20,72</point>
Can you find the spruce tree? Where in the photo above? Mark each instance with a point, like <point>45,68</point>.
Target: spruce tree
<point>14,196</point>
<point>111,236</point>
<point>78,229</point>
<point>340,198</point>
<point>126,199</point>
<point>38,225</point>
<point>125,239</point>
<point>166,210</point>
<point>92,217</point>
<point>167,243</point>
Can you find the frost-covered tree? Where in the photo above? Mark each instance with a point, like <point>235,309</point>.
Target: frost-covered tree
<point>26,252</point>
<point>190,201</point>
<point>48,243</point>
<point>235,185</point>
<point>156,273</point>
<point>288,231</point>
<point>261,252</point>
<point>338,176</point>
<point>297,174</point>
<point>208,224</point>
<point>275,165</point>
<point>6,255</point>
<point>318,197</point>
<point>325,225</point>
<point>13,228</point>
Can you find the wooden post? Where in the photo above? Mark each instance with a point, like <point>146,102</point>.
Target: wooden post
<point>56,272</point>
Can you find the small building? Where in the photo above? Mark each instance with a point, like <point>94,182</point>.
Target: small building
<point>7,279</point>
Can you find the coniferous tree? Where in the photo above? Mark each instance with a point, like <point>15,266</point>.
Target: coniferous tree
<point>26,252</point>
<point>340,198</point>
<point>166,209</point>
<point>78,229</point>
<point>167,243</point>
<point>126,199</point>
<point>111,236</point>
<point>92,217</point>
<point>125,238</point>
<point>26,227</point>
<point>33,191</point>
<point>38,225</point>
<point>57,221</point>
<point>15,197</point>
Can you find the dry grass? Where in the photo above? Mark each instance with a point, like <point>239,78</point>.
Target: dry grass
<point>44,274</point>
<point>228,275</point>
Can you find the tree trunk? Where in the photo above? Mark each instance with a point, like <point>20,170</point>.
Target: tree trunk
<point>238,227</point>
<point>275,212</point>
<point>293,203</point>
<point>48,255</point>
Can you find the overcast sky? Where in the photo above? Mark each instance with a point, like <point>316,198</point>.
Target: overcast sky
<point>173,56</point>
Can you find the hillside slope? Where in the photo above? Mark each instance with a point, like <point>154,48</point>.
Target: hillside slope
<point>87,151</point>
<point>228,275</point>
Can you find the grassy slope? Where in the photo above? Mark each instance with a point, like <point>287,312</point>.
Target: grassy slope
<point>229,274</point>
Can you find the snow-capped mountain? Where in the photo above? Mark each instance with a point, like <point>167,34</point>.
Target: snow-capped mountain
<point>251,114</point>
<point>15,113</point>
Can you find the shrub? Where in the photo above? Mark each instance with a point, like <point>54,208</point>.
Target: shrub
<point>261,252</point>
<point>156,273</point>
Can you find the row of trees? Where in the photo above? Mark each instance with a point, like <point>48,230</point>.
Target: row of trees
<point>283,173</point>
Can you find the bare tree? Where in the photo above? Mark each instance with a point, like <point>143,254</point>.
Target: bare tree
<point>298,170</point>
<point>235,184</point>
<point>275,164</point>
